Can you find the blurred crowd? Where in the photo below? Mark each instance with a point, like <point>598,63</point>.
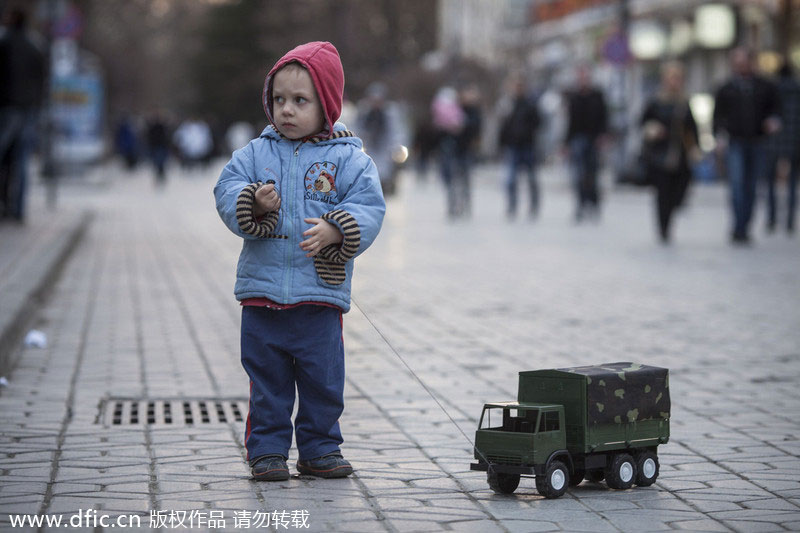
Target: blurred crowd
<point>756,126</point>
<point>192,142</point>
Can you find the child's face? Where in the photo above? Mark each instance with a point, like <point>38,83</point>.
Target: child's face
<point>296,108</point>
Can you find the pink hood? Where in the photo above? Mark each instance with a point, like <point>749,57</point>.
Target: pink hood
<point>321,59</point>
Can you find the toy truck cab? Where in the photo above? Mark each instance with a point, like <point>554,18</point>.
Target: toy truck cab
<point>523,439</point>
<point>520,434</point>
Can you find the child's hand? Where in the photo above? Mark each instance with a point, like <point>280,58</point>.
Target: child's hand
<point>267,200</point>
<point>321,235</point>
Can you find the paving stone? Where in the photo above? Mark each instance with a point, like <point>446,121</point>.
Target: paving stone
<point>765,515</point>
<point>75,488</point>
<point>713,504</point>
<point>752,526</point>
<point>486,525</point>
<point>412,525</point>
<point>19,507</point>
<point>368,525</point>
<point>700,525</point>
<point>772,504</point>
<point>532,526</point>
<point>608,504</point>
<point>644,520</point>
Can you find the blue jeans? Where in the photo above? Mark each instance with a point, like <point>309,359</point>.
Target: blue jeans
<point>17,139</point>
<point>159,155</point>
<point>518,158</point>
<point>794,170</point>
<point>300,347</point>
<point>584,164</point>
<point>745,165</point>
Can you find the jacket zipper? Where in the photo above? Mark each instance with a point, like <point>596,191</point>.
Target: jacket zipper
<point>287,281</point>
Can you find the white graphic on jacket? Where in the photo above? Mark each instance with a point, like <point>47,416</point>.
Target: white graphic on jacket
<point>320,183</point>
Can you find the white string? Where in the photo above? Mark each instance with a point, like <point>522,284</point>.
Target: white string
<point>419,380</point>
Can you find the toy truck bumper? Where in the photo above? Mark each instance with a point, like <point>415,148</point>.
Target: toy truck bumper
<point>503,469</point>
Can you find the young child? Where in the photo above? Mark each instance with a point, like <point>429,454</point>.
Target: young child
<point>306,200</point>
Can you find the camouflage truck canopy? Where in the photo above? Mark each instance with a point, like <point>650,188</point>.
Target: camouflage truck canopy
<point>615,392</point>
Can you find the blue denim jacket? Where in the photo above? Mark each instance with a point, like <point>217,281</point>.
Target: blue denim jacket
<point>331,179</point>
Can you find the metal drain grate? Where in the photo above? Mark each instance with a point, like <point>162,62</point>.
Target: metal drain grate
<point>171,411</point>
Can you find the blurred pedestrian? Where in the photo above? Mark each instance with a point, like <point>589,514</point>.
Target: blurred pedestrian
<point>745,112</point>
<point>449,121</point>
<point>426,139</point>
<point>587,122</point>
<point>194,141</point>
<point>378,125</point>
<point>669,143</point>
<point>517,137</point>
<point>158,144</point>
<point>238,135</point>
<point>467,147</point>
<point>22,75</point>
<point>786,149</point>
<point>306,200</point>
<point>126,141</point>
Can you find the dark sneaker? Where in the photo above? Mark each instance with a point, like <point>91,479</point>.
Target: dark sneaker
<point>328,466</point>
<point>270,468</point>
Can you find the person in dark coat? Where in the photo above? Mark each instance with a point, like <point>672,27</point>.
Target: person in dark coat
<point>588,121</point>
<point>126,141</point>
<point>466,147</point>
<point>22,75</point>
<point>158,144</point>
<point>745,113</point>
<point>517,136</point>
<point>786,147</point>
<point>670,141</point>
<point>449,119</point>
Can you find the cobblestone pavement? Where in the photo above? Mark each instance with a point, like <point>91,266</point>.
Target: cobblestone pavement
<point>143,315</point>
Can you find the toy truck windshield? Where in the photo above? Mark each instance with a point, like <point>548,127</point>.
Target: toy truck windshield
<point>518,420</point>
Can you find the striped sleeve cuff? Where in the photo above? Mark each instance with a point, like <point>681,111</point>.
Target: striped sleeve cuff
<point>351,234</point>
<point>330,261</point>
<point>244,214</point>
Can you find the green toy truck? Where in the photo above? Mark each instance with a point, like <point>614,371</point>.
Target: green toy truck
<point>591,422</point>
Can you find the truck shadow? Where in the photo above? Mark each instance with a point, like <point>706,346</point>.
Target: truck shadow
<point>587,488</point>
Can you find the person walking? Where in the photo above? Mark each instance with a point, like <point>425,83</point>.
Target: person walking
<point>466,145</point>
<point>126,141</point>
<point>379,125</point>
<point>238,135</point>
<point>22,75</point>
<point>517,137</point>
<point>194,141</point>
<point>745,113</point>
<point>670,141</point>
<point>785,149</point>
<point>158,144</point>
<point>449,120</point>
<point>587,122</point>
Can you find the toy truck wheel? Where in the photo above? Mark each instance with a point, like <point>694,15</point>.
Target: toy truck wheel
<point>576,477</point>
<point>502,483</point>
<point>596,476</point>
<point>554,482</point>
<point>646,469</point>
<point>621,473</point>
